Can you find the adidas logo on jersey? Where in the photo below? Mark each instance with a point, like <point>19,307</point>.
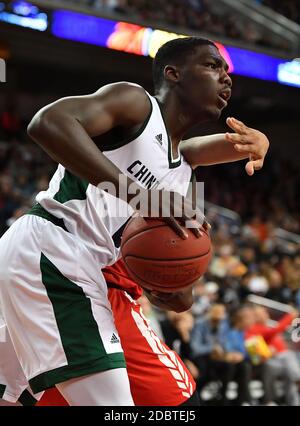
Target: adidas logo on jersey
<point>114,339</point>
<point>159,138</point>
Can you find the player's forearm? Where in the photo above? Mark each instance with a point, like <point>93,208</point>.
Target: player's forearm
<point>209,150</point>
<point>66,141</point>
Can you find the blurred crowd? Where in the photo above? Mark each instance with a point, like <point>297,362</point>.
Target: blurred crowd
<point>223,339</point>
<point>288,8</point>
<point>230,352</point>
<point>197,15</point>
<point>24,169</point>
<point>269,199</point>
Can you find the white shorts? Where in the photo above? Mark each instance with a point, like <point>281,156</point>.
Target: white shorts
<point>13,383</point>
<point>54,302</point>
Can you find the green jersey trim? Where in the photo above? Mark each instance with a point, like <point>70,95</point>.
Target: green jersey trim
<point>38,210</point>
<point>71,188</point>
<point>172,164</point>
<point>50,378</point>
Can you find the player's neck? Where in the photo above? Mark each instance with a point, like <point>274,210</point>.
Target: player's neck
<point>177,121</point>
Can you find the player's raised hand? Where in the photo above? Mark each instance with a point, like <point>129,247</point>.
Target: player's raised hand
<point>252,142</point>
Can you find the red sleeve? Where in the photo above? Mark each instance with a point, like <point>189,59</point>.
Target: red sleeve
<point>283,324</point>
<point>118,276</point>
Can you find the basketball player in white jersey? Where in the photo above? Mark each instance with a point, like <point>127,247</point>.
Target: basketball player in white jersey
<point>53,299</point>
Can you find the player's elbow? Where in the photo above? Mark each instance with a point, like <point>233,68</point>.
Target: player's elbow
<point>37,126</point>
<point>42,123</point>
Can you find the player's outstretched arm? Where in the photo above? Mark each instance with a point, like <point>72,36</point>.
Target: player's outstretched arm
<point>64,128</point>
<point>228,147</point>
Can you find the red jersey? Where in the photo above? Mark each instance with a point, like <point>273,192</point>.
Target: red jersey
<point>116,276</point>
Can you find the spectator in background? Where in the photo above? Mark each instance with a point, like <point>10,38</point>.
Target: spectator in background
<point>283,363</point>
<point>208,341</point>
<point>226,263</point>
<point>199,15</point>
<point>288,8</point>
<point>204,294</point>
<point>16,215</point>
<point>249,258</point>
<point>244,289</point>
<point>278,290</point>
<point>237,356</point>
<point>290,270</point>
<point>10,122</point>
<point>9,201</point>
<point>258,283</point>
<point>176,330</point>
<point>228,269</point>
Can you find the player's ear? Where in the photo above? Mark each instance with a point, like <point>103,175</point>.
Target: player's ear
<point>171,73</point>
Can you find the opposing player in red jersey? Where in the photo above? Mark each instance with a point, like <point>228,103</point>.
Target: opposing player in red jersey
<point>157,375</point>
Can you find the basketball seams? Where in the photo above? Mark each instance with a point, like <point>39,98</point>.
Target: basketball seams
<point>150,285</point>
<point>166,259</point>
<point>147,229</point>
<point>138,231</point>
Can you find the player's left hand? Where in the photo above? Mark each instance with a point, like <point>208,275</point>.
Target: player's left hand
<point>249,141</point>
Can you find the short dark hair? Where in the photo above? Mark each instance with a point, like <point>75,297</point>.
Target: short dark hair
<point>175,52</point>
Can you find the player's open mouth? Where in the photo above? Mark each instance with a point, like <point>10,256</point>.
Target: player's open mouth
<point>225,95</point>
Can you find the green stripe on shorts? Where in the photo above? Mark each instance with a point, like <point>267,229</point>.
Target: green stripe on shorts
<point>73,312</point>
<point>26,399</point>
<point>78,330</point>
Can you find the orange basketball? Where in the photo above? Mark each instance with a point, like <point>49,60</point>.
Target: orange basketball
<point>158,259</point>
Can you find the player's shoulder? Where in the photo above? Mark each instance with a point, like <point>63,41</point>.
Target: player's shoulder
<point>130,97</point>
<point>125,89</point>
<point>126,86</point>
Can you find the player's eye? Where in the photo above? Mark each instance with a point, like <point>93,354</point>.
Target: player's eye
<point>211,65</point>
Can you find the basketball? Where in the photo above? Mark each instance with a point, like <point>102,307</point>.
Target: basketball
<point>158,259</point>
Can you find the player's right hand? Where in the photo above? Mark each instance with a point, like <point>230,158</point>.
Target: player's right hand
<point>177,211</point>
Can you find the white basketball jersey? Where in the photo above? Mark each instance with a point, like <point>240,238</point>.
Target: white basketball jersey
<point>98,218</point>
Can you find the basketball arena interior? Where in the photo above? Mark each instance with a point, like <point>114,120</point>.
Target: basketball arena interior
<point>59,48</point>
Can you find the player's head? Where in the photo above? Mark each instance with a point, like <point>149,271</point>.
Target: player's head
<point>194,68</point>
